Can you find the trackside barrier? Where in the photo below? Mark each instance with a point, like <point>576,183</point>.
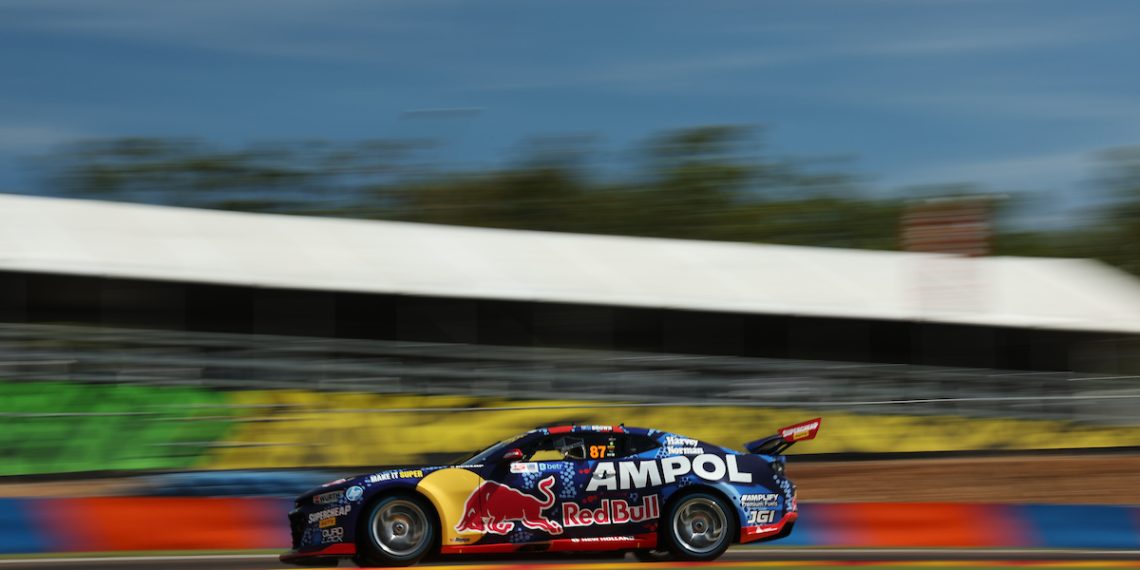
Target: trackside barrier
<point>154,523</point>
<point>976,525</point>
<point>142,523</point>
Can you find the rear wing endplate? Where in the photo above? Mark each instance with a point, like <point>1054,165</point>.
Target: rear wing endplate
<point>784,438</point>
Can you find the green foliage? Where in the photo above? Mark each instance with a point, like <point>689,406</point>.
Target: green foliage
<point>59,427</point>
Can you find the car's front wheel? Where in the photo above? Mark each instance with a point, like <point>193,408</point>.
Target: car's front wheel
<point>398,531</point>
<point>699,527</point>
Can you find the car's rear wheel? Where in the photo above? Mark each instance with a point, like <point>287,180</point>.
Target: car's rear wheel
<point>699,527</point>
<point>398,531</point>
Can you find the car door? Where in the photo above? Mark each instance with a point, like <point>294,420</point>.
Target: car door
<point>524,503</point>
<point>621,500</point>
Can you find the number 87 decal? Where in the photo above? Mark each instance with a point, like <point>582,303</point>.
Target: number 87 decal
<point>597,451</point>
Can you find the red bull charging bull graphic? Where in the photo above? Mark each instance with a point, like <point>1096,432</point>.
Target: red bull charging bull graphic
<point>495,508</point>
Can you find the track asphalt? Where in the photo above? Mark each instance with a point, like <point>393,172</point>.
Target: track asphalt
<point>741,557</point>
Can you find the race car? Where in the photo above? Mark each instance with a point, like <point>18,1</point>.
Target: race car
<point>558,489</point>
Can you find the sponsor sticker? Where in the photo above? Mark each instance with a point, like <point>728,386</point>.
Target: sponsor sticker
<point>325,523</point>
<point>524,468</point>
<point>760,500</point>
<point>330,513</point>
<point>616,511</point>
<point>335,534</point>
<point>495,508</point>
<point>354,493</point>
<point>626,475</point>
<point>389,475</point>
<point>385,476</point>
<point>603,539</point>
<point>761,517</point>
<point>327,498</point>
<point>797,432</point>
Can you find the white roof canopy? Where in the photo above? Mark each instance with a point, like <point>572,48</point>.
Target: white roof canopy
<point>153,242</point>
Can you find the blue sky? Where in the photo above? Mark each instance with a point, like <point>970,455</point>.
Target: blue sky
<point>1013,94</point>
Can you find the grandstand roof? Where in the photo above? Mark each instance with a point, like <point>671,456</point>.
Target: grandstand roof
<point>93,238</point>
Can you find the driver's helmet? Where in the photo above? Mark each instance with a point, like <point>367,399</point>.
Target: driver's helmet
<point>571,447</point>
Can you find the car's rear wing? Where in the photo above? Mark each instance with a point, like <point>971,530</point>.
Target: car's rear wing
<point>784,438</point>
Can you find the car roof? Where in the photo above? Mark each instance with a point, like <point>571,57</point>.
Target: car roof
<point>572,428</point>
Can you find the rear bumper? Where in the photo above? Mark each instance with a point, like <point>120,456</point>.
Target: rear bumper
<point>331,551</point>
<point>779,529</point>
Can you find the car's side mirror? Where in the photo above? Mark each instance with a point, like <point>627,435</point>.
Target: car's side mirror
<point>513,455</point>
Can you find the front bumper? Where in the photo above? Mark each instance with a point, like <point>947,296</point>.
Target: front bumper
<point>308,548</point>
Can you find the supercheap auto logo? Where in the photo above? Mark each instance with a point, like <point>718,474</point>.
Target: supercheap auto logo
<point>801,431</point>
<point>330,513</point>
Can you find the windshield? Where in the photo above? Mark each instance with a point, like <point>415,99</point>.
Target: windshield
<point>488,454</point>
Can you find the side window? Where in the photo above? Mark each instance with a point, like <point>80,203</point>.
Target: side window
<point>547,449</point>
<point>639,444</point>
<point>590,446</point>
<point>605,445</point>
<point>613,445</point>
<point>564,447</point>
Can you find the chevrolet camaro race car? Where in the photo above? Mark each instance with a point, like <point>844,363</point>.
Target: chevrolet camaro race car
<point>558,489</point>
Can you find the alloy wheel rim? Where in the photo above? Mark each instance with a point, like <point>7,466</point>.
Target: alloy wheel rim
<point>399,528</point>
<point>699,525</point>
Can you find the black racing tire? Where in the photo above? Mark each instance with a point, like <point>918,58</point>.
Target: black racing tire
<point>699,527</point>
<point>397,530</point>
<point>646,555</point>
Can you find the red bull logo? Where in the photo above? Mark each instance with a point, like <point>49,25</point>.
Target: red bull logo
<point>616,511</point>
<point>495,508</point>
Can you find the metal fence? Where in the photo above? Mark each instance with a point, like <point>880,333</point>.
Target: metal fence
<point>230,361</point>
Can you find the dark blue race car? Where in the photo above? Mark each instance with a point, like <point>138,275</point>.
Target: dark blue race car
<point>557,489</point>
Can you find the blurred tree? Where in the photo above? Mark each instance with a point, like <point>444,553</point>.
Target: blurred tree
<point>1118,238</point>
<point>1108,231</point>
<point>698,183</point>
<point>278,177</point>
